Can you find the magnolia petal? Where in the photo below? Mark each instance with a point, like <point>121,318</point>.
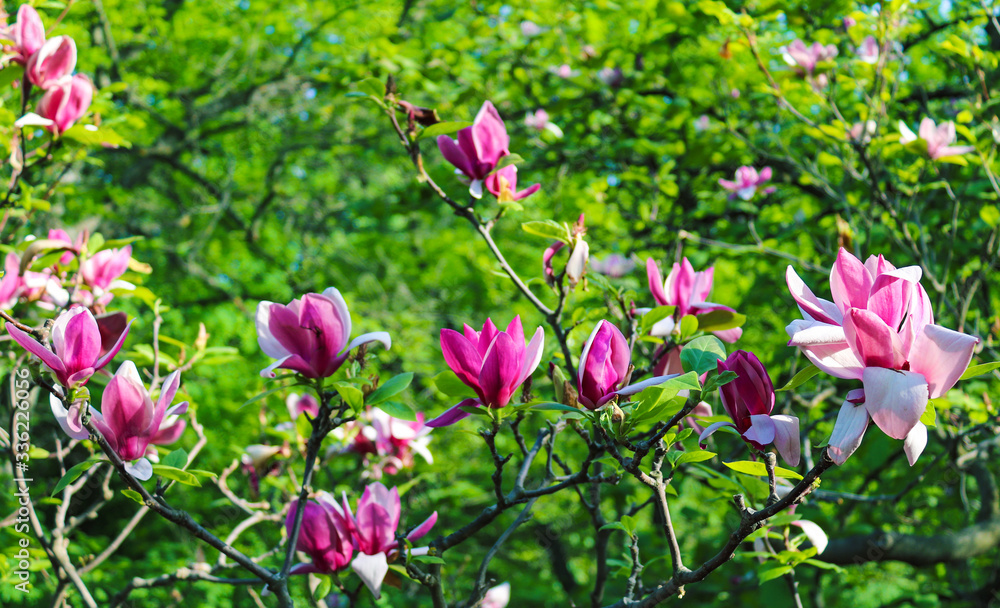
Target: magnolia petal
<point>371,569</point>
<point>656,282</point>
<point>638,386</point>
<point>586,353</point>
<point>847,432</point>
<point>36,348</point>
<point>875,343</point>
<point>268,372</point>
<point>476,188</point>
<point>895,399</point>
<point>108,356</point>
<point>141,469</point>
<point>303,568</point>
<point>663,328</point>
<point>532,355</point>
<point>61,414</point>
<point>906,135</point>
<point>817,342</point>
<point>850,281</point>
<point>915,442</point>
<point>268,343</point>
<point>33,120</point>
<point>786,438</point>
<point>711,429</point>
<point>761,429</point>
<point>453,414</point>
<point>814,533</point>
<point>375,336</point>
<point>423,528</point>
<point>729,335</point>
<point>941,355</point>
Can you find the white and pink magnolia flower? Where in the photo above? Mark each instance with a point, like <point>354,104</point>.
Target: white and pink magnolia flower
<point>808,57</point>
<point>868,52</point>
<point>880,330</point>
<point>496,597</point>
<point>747,182</point>
<point>539,121</point>
<point>28,34</point>
<point>688,292</point>
<point>938,138</point>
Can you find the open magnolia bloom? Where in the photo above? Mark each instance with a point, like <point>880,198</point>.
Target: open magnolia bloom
<point>310,334</point>
<point>879,329</point>
<point>604,368</point>
<point>77,345</point>
<point>937,137</point>
<point>128,418</point>
<point>478,149</point>
<point>389,444</point>
<point>491,362</point>
<point>746,183</point>
<point>688,292</point>
<point>749,400</point>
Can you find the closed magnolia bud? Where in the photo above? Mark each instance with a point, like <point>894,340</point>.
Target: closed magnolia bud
<point>617,415</point>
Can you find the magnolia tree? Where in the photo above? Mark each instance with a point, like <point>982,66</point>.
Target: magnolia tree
<point>645,393</point>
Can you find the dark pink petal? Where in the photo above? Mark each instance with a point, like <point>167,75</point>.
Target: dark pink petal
<point>890,298</point>
<point>656,282</point>
<point>850,282</point>
<point>375,530</point>
<point>453,414</point>
<point>874,342</point>
<point>490,135</point>
<point>523,194</point>
<point>117,346</point>
<point>500,371</point>
<point>454,155</point>
<point>462,357</point>
<point>516,332</point>
<point>77,340</point>
<point>682,284</point>
<point>423,528</point>
<point>36,348</point>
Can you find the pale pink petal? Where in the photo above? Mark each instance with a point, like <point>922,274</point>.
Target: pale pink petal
<point>786,438</point>
<point>915,442</point>
<point>848,432</point>
<point>812,307</point>
<point>371,569</point>
<point>894,399</point>
<point>761,429</point>
<point>941,355</point>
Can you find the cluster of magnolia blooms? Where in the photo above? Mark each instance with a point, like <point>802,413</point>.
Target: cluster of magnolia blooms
<point>48,64</point>
<point>57,286</point>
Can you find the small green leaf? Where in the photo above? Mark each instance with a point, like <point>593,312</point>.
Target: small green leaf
<point>177,459</point>
<point>10,73</point>
<point>758,469</point>
<point>94,136</point>
<point>684,382</point>
<point>549,229</point>
<point>373,87</point>
<point>427,559</point>
<point>551,406</point>
<point>134,496</point>
<point>351,395</point>
<point>714,381</point>
<point>443,128</point>
<point>688,327</point>
<point>391,387</point>
<point>398,410</point>
<point>508,160</point>
<point>929,417</point>
<point>630,524</point>
<point>823,565</point>
<point>773,573</point>
<point>656,315</point>
<point>449,384</point>
<point>699,456</point>
<point>615,525</point>
<point>74,473</point>
<point>702,354</point>
<point>979,370</point>
<point>257,398</point>
<point>719,320</point>
<point>324,588</point>
<point>801,378</point>
<point>176,474</point>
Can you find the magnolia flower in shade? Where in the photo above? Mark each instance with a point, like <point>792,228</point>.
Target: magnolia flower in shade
<point>491,362</point>
<point>53,61</point>
<point>76,343</point>
<point>128,418</point>
<point>374,529</point>
<point>807,57</point>
<point>325,535</point>
<point>747,182</point>
<point>10,282</point>
<point>868,51</point>
<point>686,290</point>
<point>530,28</point>
<point>749,400</point>
<point>28,34</point>
<point>302,404</point>
<point>605,368</point>
<point>310,334</point>
<point>496,597</point>
<point>938,138</point>
<point>539,121</point>
<point>503,185</point>
<point>389,444</point>
<point>478,148</point>
<point>879,329</point>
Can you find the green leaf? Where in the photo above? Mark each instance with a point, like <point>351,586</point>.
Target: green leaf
<point>549,229</point>
<point>701,354</point>
<point>74,473</point>
<point>688,327</point>
<point>800,378</point>
<point>630,524</point>
<point>688,382</point>
<point>390,388</point>
<point>398,410</point>
<point>656,315</point>
<point>176,474</point>
<point>10,73</point>
<point>96,136</point>
<point>699,456</point>
<point>351,395</point>
<point>823,565</point>
<point>550,406</point>
<point>134,496</point>
<point>449,384</point>
<point>718,320</point>
<point>714,381</point>
<point>929,417</point>
<point>177,458</point>
<point>978,370</point>
<point>773,573</point>
<point>427,559</point>
<point>202,473</point>
<point>443,128</point>
<point>758,469</point>
<point>261,396</point>
<point>508,160</point>
<point>615,525</point>
<point>324,588</point>
<point>373,87</point>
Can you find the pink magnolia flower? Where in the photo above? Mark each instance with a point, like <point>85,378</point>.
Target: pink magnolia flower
<point>374,529</point>
<point>64,103</point>
<point>10,282</point>
<point>478,148</point>
<point>389,444</point>
<point>747,182</point>
<point>702,123</point>
<point>76,343</point>
<point>325,535</point>
<point>604,368</point>
<point>938,138</point>
<point>869,50</point>
<point>564,71</point>
<point>863,131</point>
<point>73,247</point>
<point>128,419</point>
<point>612,77</point>
<point>310,334</point>
<point>686,290</point>
<point>302,404</point>
<point>52,62</point>
<point>102,270</point>
<point>749,401</point>
<point>28,34</point>
<point>879,329</point>
<point>807,58</point>
<point>491,362</point>
<point>530,28</point>
<point>496,597</point>
<point>539,121</point>
<point>503,185</point>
